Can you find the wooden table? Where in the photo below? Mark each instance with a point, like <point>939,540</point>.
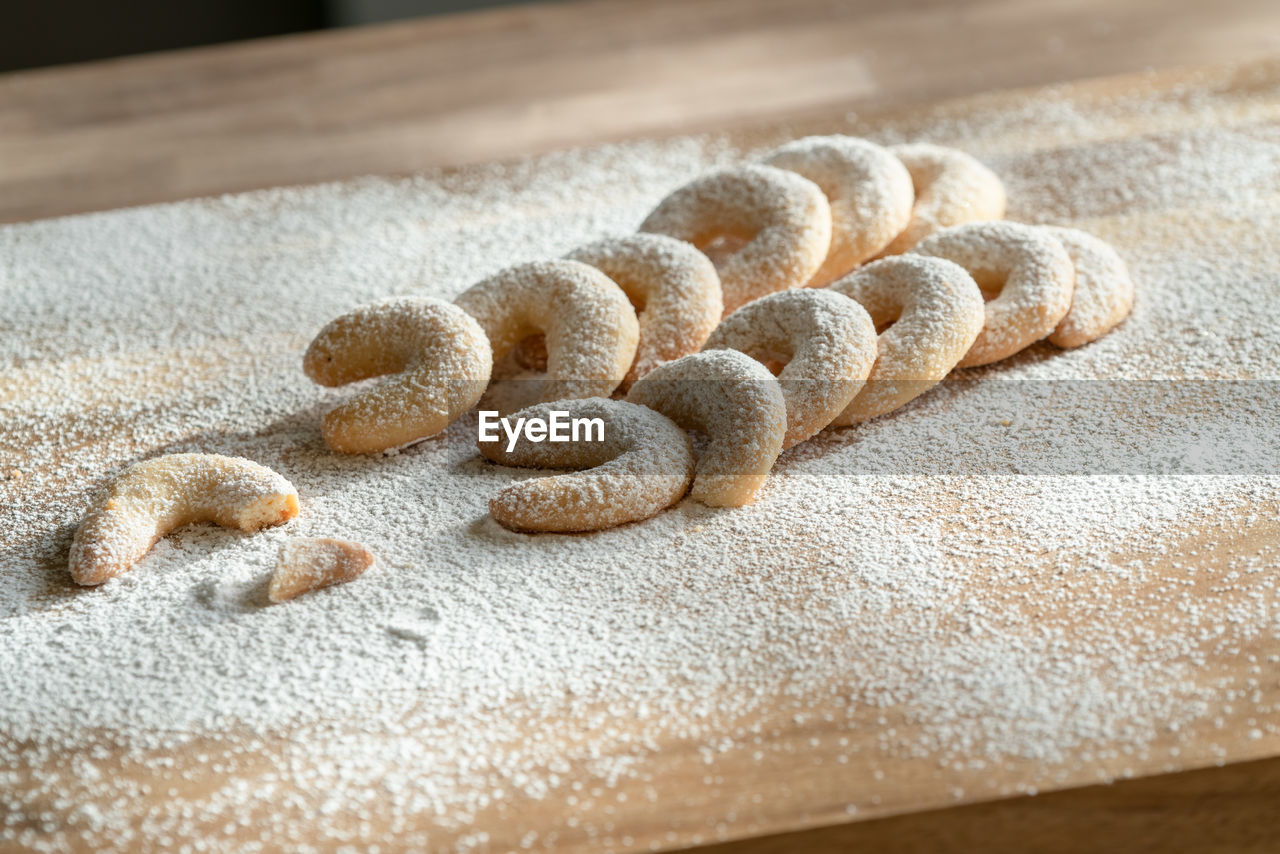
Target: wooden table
<point>509,82</point>
<point>505,83</point>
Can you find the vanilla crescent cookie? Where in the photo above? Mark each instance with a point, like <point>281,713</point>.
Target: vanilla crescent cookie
<point>438,354</point>
<point>1104,291</point>
<point>782,220</point>
<point>869,189</point>
<point>737,403</point>
<point>951,188</point>
<point>639,464</point>
<point>587,320</point>
<point>931,312</point>
<point>312,563</point>
<point>1022,270</point>
<point>675,290</point>
<point>151,498</point>
<point>825,343</point>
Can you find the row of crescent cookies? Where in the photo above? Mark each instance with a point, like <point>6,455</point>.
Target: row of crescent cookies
<point>847,280</point>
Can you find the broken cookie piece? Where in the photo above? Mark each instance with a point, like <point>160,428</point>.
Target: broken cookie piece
<point>310,563</point>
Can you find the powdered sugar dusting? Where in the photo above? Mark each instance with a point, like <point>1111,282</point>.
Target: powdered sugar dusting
<point>867,622</point>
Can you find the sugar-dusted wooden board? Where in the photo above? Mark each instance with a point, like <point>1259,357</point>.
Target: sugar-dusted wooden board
<point>837,762</point>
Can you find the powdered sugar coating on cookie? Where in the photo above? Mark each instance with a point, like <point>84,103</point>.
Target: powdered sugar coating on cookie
<point>870,193</point>
<point>782,220</point>
<point>737,403</point>
<point>642,465</point>
<point>1104,291</point>
<point>674,288</point>
<point>440,358</point>
<point>824,343</point>
<point>1025,274</point>
<point>952,187</point>
<point>589,325</point>
<point>151,498</point>
<point>933,312</point>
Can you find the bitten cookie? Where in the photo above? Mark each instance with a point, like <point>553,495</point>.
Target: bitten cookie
<point>151,498</point>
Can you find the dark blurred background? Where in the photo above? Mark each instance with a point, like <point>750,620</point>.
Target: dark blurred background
<point>51,32</point>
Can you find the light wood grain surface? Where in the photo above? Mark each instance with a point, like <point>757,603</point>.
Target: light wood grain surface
<point>510,82</point>
<point>1227,809</point>
<point>500,84</point>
